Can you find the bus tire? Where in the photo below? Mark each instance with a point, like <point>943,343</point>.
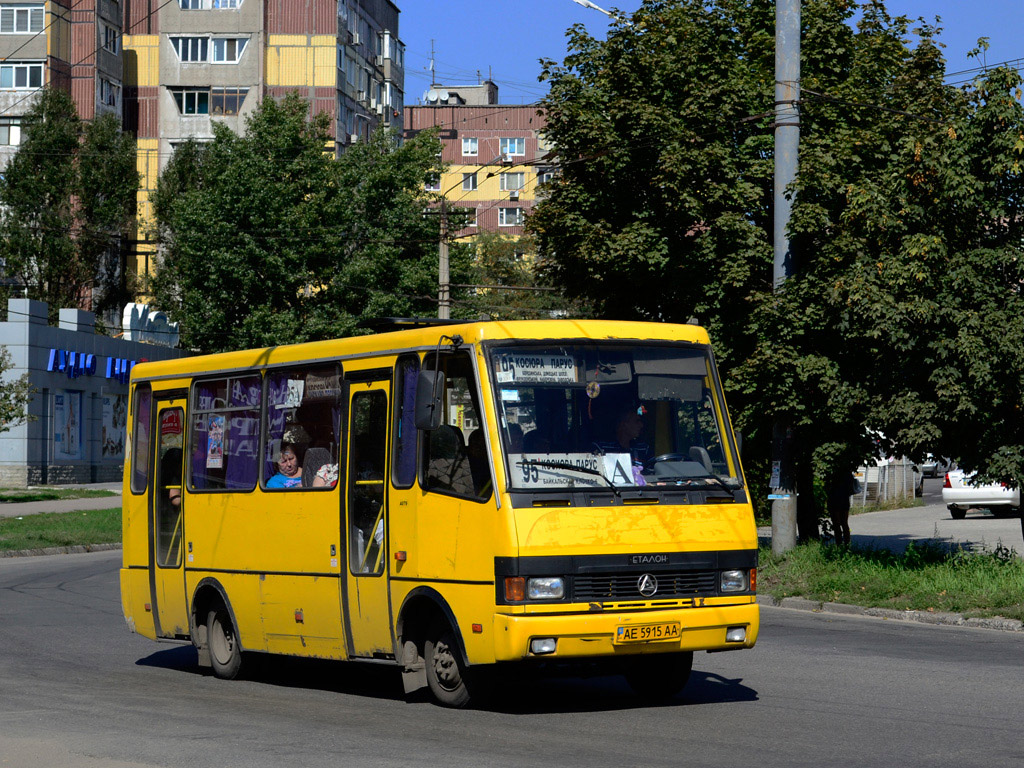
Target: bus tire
<point>447,675</point>
<point>222,640</point>
<point>659,676</point>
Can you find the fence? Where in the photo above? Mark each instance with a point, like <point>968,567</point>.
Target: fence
<point>886,481</point>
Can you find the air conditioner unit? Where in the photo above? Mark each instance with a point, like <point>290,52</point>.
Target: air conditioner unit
<point>361,96</point>
<point>380,109</point>
<point>379,61</point>
<point>356,39</point>
<point>513,195</point>
<point>353,138</point>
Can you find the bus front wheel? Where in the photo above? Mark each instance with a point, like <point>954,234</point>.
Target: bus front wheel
<point>225,653</point>
<point>659,676</point>
<point>447,674</point>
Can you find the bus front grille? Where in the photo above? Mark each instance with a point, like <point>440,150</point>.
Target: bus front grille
<point>626,586</point>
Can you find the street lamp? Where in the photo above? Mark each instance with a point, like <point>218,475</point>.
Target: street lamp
<point>588,4</point>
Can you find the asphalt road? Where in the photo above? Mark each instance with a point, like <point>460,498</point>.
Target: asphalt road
<point>78,690</point>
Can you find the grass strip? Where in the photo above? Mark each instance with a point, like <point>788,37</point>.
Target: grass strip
<point>61,529</point>
<point>8,496</point>
<point>927,577</point>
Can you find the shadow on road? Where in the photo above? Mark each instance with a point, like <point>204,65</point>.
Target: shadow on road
<point>518,692</point>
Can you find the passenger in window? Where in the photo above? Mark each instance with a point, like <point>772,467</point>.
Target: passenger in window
<point>326,476</point>
<point>515,438</point>
<point>289,469</point>
<point>170,472</point>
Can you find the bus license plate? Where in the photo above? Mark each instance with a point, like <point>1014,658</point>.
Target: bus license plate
<point>646,633</point>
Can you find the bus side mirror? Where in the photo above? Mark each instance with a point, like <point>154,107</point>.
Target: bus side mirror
<point>429,389</point>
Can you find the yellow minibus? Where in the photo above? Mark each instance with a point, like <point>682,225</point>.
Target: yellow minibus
<point>450,499</point>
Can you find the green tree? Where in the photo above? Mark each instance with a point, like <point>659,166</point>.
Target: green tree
<point>15,395</point>
<point>266,240</point>
<point>904,315</point>
<point>67,199</point>
<point>512,289</point>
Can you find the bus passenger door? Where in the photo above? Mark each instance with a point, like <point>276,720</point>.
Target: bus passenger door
<point>166,522</point>
<point>366,520</point>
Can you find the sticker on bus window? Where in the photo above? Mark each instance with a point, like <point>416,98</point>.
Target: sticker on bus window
<point>560,470</point>
<point>215,443</point>
<point>294,397</point>
<point>510,395</point>
<point>536,369</point>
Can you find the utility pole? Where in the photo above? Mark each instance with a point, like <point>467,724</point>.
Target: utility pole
<point>443,278</point>
<point>787,142</point>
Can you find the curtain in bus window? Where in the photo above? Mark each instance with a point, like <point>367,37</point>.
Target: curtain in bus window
<point>243,434</point>
<point>405,423</point>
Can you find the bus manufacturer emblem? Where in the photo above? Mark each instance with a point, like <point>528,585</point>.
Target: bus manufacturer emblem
<point>647,585</point>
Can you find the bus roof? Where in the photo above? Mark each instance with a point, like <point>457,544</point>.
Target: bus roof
<point>423,338</point>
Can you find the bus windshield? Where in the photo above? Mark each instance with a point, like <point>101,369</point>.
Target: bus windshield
<point>612,416</point>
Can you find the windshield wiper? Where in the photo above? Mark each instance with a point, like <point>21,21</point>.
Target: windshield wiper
<point>702,479</point>
<point>556,465</point>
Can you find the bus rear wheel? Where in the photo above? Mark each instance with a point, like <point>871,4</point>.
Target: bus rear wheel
<point>660,676</point>
<point>225,653</point>
<point>447,674</point>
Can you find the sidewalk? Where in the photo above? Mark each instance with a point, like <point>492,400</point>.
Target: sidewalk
<point>19,509</point>
<point>895,528</point>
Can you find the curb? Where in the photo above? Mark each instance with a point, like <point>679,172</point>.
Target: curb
<point>921,617</point>
<point>76,550</point>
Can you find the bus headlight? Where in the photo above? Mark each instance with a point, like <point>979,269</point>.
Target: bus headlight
<point>734,581</point>
<point>546,588</point>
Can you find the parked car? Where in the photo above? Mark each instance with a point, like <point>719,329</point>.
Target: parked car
<point>935,466</point>
<point>960,493</point>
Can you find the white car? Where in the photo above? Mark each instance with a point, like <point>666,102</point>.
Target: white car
<point>960,493</point>
<point>934,466</point>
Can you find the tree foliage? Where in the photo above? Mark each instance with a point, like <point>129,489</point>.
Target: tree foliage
<point>268,240</point>
<point>15,395</point>
<point>905,314</point>
<point>67,200</point>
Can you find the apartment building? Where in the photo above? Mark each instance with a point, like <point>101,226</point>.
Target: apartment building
<point>494,153</point>
<point>190,64</point>
<point>74,46</point>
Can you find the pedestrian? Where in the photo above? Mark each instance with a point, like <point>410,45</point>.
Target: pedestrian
<point>840,487</point>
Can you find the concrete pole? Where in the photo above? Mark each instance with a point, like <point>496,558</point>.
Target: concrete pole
<point>443,279</point>
<point>787,141</point>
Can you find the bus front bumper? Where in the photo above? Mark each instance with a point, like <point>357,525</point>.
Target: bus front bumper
<point>608,634</point>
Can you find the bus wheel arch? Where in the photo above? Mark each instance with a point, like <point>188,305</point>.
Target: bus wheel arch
<point>211,607</point>
<point>424,615</point>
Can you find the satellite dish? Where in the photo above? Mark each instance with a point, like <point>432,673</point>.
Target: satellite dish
<point>432,95</point>
<point>443,95</point>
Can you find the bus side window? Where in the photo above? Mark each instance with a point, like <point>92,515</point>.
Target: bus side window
<point>225,433</point>
<point>403,462</point>
<point>451,464</point>
<point>303,419</point>
<point>141,416</point>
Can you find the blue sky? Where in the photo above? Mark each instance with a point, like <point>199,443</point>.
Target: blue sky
<point>507,37</point>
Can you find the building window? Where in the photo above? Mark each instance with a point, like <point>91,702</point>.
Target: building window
<point>512,181</point>
<point>228,50</point>
<point>111,38</point>
<point>433,183</point>
<point>470,147</point>
<point>205,5</point>
<point>469,182</point>
<point>110,93</point>
<point>191,49</point>
<point>21,19</point>
<point>10,132</point>
<point>510,217</point>
<point>192,102</point>
<point>227,101</point>
<point>21,77</point>
<point>545,175</point>
<point>512,147</point>
<point>471,219</point>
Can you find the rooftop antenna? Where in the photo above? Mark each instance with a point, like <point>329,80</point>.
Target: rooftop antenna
<point>433,78</point>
